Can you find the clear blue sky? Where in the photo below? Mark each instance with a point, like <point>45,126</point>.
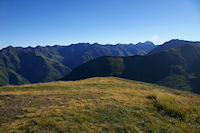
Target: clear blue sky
<point>49,22</point>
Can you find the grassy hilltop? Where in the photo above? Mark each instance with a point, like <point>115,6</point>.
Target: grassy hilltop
<point>98,105</point>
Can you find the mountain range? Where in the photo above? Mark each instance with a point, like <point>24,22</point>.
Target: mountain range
<point>42,64</point>
<point>174,64</point>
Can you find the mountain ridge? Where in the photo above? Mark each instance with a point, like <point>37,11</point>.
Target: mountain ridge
<point>172,44</point>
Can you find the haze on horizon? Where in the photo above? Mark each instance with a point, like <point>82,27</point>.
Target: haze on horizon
<point>49,22</point>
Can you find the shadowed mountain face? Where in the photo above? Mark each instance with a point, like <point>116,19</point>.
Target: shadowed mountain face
<point>177,68</point>
<point>171,44</point>
<point>41,64</point>
<point>19,66</point>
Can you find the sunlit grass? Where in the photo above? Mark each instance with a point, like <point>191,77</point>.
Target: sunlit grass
<point>98,105</point>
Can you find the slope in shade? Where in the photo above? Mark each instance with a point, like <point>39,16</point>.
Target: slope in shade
<point>172,44</point>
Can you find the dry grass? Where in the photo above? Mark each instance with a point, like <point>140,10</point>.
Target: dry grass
<point>98,105</point>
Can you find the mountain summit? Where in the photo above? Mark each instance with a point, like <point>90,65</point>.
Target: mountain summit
<point>172,44</point>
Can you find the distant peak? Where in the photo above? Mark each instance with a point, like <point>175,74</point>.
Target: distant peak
<point>10,46</point>
<point>145,43</point>
<point>148,42</point>
<point>96,43</point>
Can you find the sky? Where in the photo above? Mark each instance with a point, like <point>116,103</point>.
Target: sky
<point>62,22</point>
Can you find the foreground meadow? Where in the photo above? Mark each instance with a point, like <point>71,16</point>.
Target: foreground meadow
<point>97,105</point>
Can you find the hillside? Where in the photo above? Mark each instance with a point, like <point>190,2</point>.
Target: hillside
<point>19,66</point>
<point>98,105</point>
<point>176,68</point>
<point>42,64</point>
<point>172,44</point>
